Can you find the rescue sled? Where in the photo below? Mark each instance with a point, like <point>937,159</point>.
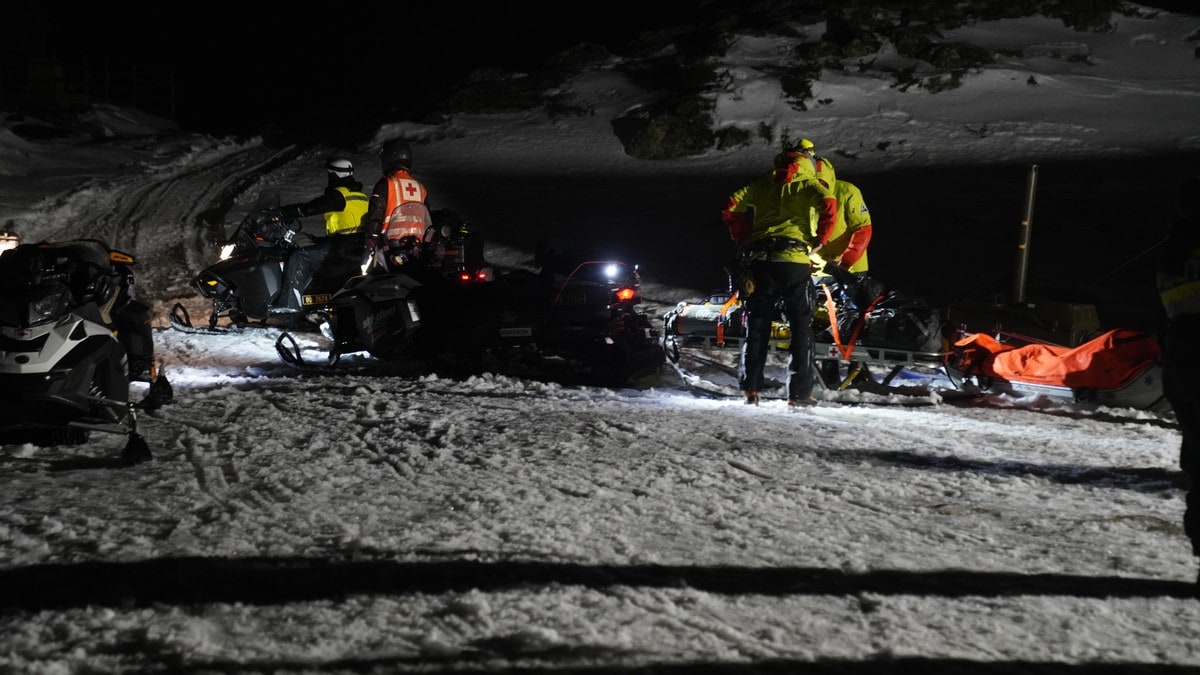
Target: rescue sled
<point>889,343</point>
<point>1119,368</point>
<point>878,340</point>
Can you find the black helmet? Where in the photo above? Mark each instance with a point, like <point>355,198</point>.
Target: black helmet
<point>395,154</point>
<point>339,167</point>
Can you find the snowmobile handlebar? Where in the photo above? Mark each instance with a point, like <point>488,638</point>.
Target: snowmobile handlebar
<point>271,228</point>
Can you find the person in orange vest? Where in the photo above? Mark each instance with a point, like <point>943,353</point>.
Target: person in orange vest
<point>397,187</point>
<point>1178,283</point>
<point>343,204</point>
<point>777,221</point>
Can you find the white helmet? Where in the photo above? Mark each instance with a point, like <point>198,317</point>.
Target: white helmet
<point>340,167</point>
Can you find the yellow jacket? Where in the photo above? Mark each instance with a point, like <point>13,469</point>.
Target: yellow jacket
<point>788,205</point>
<point>851,234</point>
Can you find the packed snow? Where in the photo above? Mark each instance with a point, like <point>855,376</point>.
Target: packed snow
<point>297,521</point>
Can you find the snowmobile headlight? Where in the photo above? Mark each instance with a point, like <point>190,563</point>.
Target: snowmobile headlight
<point>227,251</point>
<point>9,239</point>
<point>47,303</point>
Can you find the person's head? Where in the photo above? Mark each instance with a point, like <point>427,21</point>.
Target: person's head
<point>395,154</point>
<point>791,152</point>
<point>339,169</point>
<point>1187,202</point>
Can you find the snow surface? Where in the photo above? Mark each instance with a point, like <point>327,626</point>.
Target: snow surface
<point>296,522</point>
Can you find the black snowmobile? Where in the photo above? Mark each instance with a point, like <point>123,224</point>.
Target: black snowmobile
<point>73,337</point>
<point>248,277</point>
<point>434,299</point>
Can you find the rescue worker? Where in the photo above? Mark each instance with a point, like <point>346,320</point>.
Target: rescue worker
<point>1178,282</point>
<point>845,263</point>
<point>343,203</point>
<point>396,187</point>
<point>822,168</point>
<point>847,246</point>
<point>793,215</point>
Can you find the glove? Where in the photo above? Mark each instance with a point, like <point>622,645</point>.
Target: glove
<point>839,273</point>
<point>373,254</point>
<point>290,212</point>
<point>816,263</point>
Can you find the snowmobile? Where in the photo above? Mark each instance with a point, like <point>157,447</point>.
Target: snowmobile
<point>74,339</point>
<point>430,296</point>
<point>248,277</point>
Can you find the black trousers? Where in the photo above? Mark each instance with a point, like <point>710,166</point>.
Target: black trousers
<point>298,272</point>
<point>787,285</point>
<point>1181,385</point>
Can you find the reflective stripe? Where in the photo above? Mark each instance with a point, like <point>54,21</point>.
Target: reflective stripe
<point>1181,298</point>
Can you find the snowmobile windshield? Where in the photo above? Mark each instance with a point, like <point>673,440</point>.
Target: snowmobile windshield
<point>252,225</point>
<point>44,282</point>
<point>267,200</point>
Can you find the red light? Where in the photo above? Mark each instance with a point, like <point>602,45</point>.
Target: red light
<point>464,277</point>
<point>481,275</point>
<point>626,293</point>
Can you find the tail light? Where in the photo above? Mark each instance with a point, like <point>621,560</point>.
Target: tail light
<point>475,276</point>
<point>625,294</point>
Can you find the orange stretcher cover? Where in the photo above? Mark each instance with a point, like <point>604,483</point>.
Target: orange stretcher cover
<point>1105,362</point>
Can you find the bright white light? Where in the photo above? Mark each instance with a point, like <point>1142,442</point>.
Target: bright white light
<point>9,240</point>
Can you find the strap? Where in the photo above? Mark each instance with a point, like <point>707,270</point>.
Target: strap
<point>862,321</point>
<point>724,317</point>
<point>831,310</point>
<point>775,244</point>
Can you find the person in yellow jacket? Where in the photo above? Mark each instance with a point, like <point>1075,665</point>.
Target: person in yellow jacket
<point>343,204</point>
<point>777,220</point>
<point>821,167</point>
<point>1178,283</point>
<point>847,246</point>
